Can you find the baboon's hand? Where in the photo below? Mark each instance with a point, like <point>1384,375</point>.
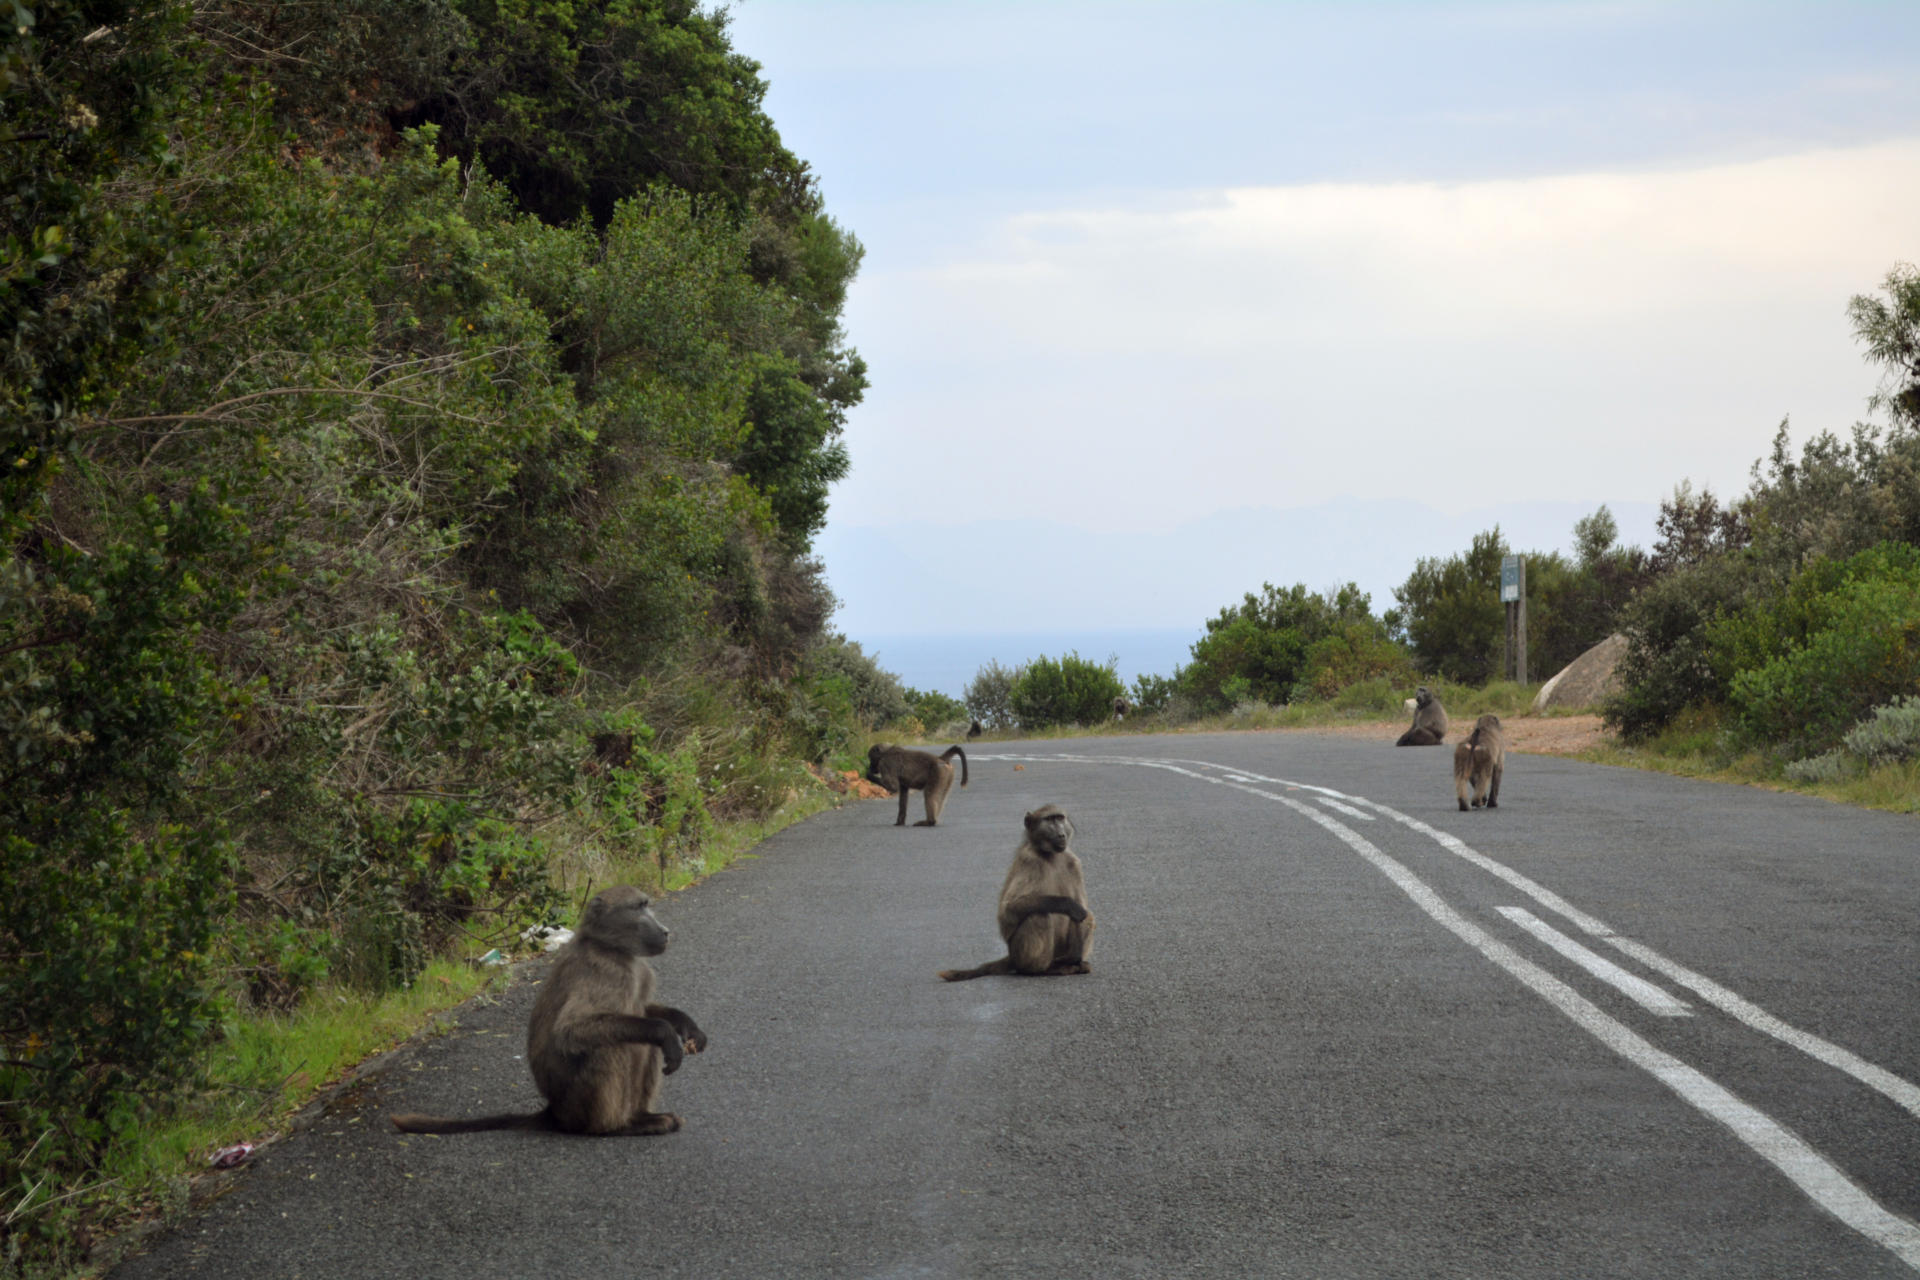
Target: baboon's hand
<point>692,1038</point>
<point>1079,914</point>
<point>670,1053</point>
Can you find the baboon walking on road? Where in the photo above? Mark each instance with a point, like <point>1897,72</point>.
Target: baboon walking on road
<point>596,1045</point>
<point>901,769</point>
<point>1478,762</point>
<point>1043,905</point>
<point>1429,721</point>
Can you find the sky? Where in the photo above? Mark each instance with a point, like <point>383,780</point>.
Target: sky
<point>1208,276</point>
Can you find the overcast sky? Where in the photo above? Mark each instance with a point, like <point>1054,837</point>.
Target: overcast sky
<point>1131,265</point>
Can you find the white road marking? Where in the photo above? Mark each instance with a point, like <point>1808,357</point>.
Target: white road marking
<point>1654,998</point>
<point>1347,809</point>
<point>1901,1091</point>
<point>1819,1179</point>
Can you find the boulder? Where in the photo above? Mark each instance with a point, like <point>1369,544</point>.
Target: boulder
<point>1588,680</point>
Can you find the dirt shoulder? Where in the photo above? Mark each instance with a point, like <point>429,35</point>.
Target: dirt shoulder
<point>1544,735</point>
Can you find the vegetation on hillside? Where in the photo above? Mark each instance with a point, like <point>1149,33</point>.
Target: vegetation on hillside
<point>414,422</point>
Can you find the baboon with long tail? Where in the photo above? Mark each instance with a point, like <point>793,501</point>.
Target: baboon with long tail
<point>597,1044</point>
<point>901,769</point>
<point>1043,912</point>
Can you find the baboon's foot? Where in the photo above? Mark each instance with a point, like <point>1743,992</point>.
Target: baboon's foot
<point>650,1123</point>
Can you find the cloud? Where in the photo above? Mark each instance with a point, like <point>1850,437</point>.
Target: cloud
<point>1584,337</point>
<point>1246,267</point>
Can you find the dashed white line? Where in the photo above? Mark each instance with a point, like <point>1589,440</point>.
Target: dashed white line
<point>1347,809</point>
<point>1650,996</point>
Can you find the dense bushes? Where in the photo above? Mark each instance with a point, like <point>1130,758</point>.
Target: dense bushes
<point>1794,607</point>
<point>989,695</point>
<point>369,546</point>
<point>1842,638</point>
<point>1069,690</point>
<point>1286,643</point>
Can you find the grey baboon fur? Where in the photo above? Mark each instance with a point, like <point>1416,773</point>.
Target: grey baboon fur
<point>1478,762</point>
<point>901,769</point>
<point>1120,708</point>
<point>1043,912</point>
<point>974,730</point>
<point>596,1044</point>
<point>1429,721</point>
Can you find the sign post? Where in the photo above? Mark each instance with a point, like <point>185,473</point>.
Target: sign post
<point>1513,594</point>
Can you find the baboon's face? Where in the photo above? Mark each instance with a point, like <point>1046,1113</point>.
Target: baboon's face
<point>1422,696</point>
<point>1049,830</point>
<point>873,767</point>
<point>622,917</point>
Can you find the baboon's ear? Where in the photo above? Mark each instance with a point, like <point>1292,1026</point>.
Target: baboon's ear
<point>1032,821</point>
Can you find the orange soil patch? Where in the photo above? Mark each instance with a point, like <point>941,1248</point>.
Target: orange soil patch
<point>1545,735</point>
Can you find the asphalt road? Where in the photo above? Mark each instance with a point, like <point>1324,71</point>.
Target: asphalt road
<point>1356,1034</point>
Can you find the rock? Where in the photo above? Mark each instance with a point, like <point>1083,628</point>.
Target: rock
<point>1588,680</point>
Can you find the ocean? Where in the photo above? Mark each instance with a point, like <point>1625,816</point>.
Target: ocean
<point>947,663</point>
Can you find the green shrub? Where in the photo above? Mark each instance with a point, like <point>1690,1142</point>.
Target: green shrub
<point>1071,690</point>
<point>989,695</point>
<point>1669,664</point>
<point>1376,695</point>
<point>1843,638</point>
<point>1353,652</point>
<point>1153,695</point>
<point>1891,733</point>
<point>934,709</point>
<point>874,695</point>
<point>1830,766</point>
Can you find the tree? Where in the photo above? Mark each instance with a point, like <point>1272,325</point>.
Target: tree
<point>1890,329</point>
<point>1450,611</point>
<point>1262,645</point>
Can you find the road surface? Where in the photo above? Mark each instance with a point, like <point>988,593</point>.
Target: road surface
<point>1625,1025</point>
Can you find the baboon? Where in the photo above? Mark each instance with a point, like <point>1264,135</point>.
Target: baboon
<point>1120,708</point>
<point>974,730</point>
<point>901,769</point>
<point>595,1042</point>
<point>1429,721</point>
<point>1043,905</point>
<point>1479,760</point>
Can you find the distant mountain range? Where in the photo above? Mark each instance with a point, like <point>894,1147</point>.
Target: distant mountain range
<point>1035,576</point>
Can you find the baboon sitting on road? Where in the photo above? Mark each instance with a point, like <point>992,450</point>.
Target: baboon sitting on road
<point>596,1045</point>
<point>1429,721</point>
<point>901,769</point>
<point>1043,905</point>
<point>1479,760</point>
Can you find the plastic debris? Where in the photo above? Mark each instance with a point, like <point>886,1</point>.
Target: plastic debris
<point>492,959</point>
<point>232,1157</point>
<point>547,937</point>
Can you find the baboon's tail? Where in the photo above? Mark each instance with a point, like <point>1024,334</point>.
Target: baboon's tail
<point>949,754</point>
<point>1003,965</point>
<point>479,1124</point>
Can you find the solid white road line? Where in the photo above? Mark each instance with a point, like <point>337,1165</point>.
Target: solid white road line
<point>1654,998</point>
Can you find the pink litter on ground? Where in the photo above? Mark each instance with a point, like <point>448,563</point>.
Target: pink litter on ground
<point>228,1157</point>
